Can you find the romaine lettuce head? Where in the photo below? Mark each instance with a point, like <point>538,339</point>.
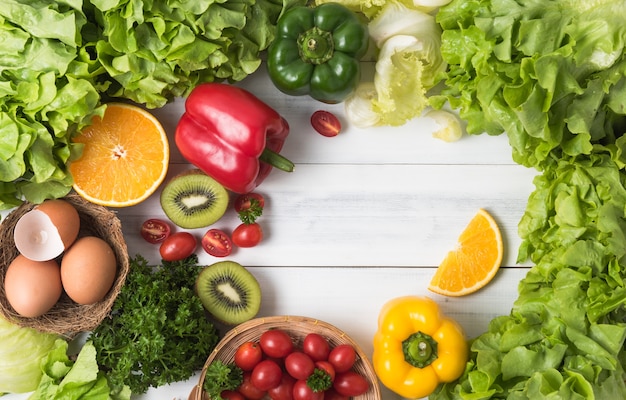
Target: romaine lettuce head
<point>401,93</point>
<point>409,63</point>
<point>397,92</point>
<point>21,353</point>
<point>396,19</point>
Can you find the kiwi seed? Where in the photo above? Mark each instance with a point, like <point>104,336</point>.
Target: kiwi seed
<point>193,199</point>
<point>229,292</point>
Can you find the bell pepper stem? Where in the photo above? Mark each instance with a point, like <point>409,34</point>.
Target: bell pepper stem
<point>316,46</point>
<point>276,160</point>
<point>420,350</point>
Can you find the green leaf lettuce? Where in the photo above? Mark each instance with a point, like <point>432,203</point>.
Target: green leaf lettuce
<point>21,353</point>
<point>551,74</point>
<point>64,379</point>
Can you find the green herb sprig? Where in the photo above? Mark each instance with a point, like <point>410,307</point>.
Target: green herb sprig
<point>158,332</point>
<point>221,376</point>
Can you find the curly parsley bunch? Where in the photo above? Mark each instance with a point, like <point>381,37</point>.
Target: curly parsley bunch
<point>158,332</point>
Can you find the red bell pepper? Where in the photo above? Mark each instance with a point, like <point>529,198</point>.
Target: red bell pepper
<point>232,136</point>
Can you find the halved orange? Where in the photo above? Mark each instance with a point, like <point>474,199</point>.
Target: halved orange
<point>474,261</point>
<point>125,157</point>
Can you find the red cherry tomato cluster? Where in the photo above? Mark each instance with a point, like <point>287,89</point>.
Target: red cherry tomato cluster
<point>275,367</point>
<point>249,207</point>
<point>216,242</point>
<point>173,246</point>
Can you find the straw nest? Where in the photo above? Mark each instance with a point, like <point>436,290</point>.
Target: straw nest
<point>68,318</point>
<point>297,327</point>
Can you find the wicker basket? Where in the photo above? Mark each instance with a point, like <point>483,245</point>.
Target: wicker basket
<point>68,318</point>
<point>297,327</point>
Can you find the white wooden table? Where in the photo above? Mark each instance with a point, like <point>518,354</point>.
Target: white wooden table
<point>365,217</point>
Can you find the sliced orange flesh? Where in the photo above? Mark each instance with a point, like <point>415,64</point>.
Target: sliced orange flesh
<point>125,157</point>
<point>474,261</point>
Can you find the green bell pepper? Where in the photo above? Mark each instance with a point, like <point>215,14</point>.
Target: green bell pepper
<point>317,52</point>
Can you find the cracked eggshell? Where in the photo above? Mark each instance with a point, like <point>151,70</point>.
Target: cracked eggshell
<point>32,287</point>
<point>47,230</point>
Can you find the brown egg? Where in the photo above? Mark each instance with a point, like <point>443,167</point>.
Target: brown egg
<point>32,287</point>
<point>88,270</point>
<point>47,230</point>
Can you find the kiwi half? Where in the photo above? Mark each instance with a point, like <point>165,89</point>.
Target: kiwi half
<point>229,292</point>
<point>193,199</point>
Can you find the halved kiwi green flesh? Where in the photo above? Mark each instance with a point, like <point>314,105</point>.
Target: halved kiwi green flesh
<point>193,199</point>
<point>229,292</point>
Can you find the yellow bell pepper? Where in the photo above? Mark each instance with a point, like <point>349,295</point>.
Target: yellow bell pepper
<point>416,348</point>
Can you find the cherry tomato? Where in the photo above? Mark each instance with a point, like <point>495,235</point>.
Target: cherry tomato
<point>276,343</point>
<point>284,390</point>
<point>342,357</point>
<point>266,375</point>
<point>325,123</point>
<point>278,360</point>
<point>247,235</point>
<point>350,384</point>
<point>178,246</point>
<point>248,355</point>
<point>231,395</point>
<point>331,394</point>
<point>302,391</point>
<point>316,346</point>
<point>326,367</point>
<point>243,202</point>
<point>155,230</point>
<point>248,389</point>
<point>217,243</point>
<point>299,365</point>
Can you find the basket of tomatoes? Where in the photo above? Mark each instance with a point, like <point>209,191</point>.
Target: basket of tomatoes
<point>292,357</point>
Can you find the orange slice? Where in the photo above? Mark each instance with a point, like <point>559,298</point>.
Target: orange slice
<point>125,157</point>
<point>475,260</point>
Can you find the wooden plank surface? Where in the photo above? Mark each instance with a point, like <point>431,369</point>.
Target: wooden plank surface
<point>365,217</point>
